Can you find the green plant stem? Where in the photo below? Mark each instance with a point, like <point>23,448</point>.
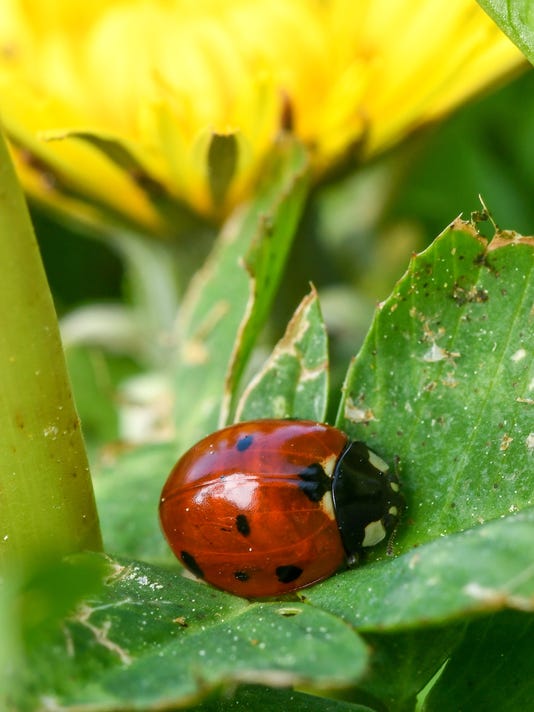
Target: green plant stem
<point>47,505</point>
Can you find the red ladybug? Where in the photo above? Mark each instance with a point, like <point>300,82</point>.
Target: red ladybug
<point>269,506</point>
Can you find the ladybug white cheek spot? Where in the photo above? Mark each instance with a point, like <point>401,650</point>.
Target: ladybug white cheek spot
<point>328,464</point>
<point>377,462</point>
<point>394,486</point>
<point>327,505</point>
<point>374,533</point>
<point>393,511</point>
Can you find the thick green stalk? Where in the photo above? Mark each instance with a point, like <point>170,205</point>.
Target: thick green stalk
<point>47,505</point>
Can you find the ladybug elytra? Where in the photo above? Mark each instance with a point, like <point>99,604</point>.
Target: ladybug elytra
<point>265,507</point>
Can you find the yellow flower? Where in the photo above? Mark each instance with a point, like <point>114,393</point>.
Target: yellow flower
<point>114,105</point>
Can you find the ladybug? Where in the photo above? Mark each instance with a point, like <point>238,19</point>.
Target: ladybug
<point>264,507</point>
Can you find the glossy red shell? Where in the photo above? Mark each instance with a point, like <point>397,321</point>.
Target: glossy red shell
<point>240,509</point>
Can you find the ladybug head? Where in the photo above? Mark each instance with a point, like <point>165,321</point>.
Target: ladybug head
<point>367,499</point>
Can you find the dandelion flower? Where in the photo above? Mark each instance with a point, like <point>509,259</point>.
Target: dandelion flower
<point>117,107</point>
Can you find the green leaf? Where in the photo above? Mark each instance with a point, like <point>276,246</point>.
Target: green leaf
<point>254,698</point>
<point>444,383</point>
<point>127,492</point>
<point>481,570</point>
<point>294,380</point>
<point>265,260</point>
<point>457,319</point>
<point>225,302</point>
<point>415,657</point>
<point>39,604</point>
<point>491,669</point>
<point>516,19</point>
<point>155,638</point>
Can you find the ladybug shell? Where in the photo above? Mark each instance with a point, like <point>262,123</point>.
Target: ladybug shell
<point>249,508</point>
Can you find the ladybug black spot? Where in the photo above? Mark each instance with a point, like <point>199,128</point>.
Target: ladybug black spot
<point>244,443</point>
<point>191,563</point>
<point>243,527</point>
<point>241,575</point>
<point>287,574</point>
<point>314,482</point>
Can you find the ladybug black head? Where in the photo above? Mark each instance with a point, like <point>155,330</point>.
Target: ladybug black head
<point>367,500</point>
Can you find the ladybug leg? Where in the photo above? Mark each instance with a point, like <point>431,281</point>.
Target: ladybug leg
<point>391,541</point>
<point>355,559</point>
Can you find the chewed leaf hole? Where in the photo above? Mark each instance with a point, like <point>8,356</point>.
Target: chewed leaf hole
<point>288,611</point>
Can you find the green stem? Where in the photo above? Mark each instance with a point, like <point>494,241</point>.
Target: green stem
<point>47,505</point>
